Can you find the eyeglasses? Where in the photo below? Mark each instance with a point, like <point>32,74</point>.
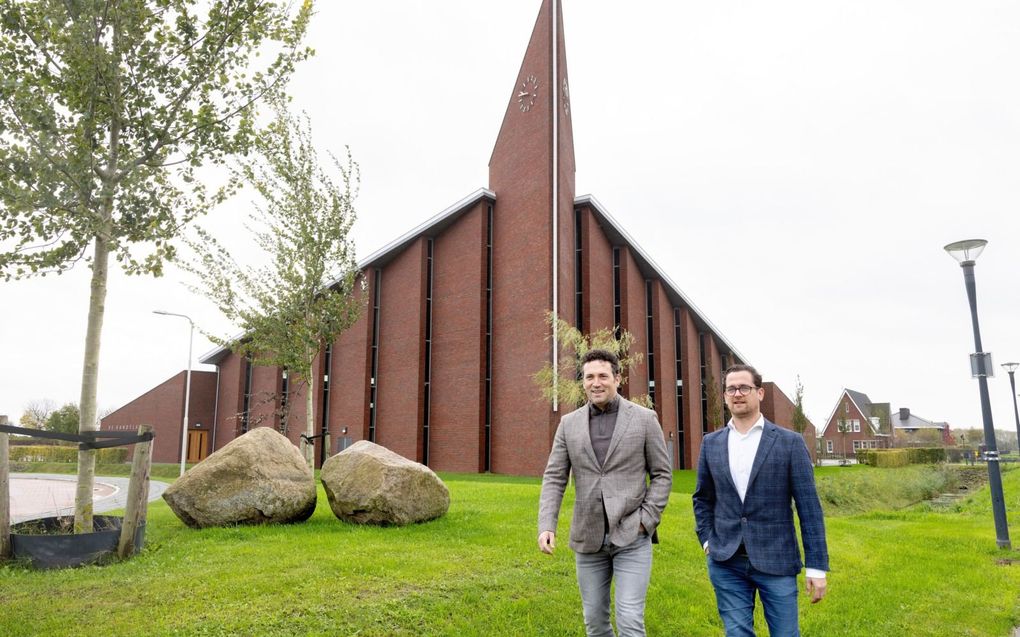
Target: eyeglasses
<point>743,390</point>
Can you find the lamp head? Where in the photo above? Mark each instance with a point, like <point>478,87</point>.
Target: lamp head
<point>1010,367</point>
<point>966,251</point>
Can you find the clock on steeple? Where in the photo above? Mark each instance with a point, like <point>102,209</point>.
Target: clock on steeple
<point>528,93</point>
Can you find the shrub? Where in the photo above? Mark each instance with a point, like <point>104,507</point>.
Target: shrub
<point>20,441</point>
<point>927,455</point>
<point>959,454</point>
<point>45,453</point>
<point>864,489</point>
<point>887,458</point>
<point>902,457</point>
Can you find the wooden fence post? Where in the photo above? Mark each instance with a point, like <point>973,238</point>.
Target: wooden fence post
<point>5,498</point>
<point>138,495</point>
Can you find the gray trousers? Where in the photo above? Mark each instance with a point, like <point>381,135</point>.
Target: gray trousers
<point>631,566</point>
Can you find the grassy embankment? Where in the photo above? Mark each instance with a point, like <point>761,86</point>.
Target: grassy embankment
<point>895,571</point>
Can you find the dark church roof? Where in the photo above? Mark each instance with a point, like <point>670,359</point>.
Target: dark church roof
<point>612,228</point>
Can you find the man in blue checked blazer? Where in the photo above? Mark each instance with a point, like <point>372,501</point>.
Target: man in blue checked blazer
<point>749,474</point>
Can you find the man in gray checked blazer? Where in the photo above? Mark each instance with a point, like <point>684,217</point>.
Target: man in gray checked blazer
<point>622,478</point>
<point>749,474</point>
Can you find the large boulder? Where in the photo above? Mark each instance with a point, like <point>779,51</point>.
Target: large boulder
<point>369,484</point>
<point>258,478</point>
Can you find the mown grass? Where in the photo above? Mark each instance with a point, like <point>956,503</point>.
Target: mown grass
<point>477,571</point>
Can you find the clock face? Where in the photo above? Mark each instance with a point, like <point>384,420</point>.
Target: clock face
<point>527,93</point>
<point>566,97</point>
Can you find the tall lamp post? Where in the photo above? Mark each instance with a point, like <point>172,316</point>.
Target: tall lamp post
<point>187,385</point>
<point>966,252</point>
<point>1010,369</point>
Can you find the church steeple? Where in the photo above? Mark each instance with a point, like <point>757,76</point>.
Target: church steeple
<point>532,236</point>
<point>539,109</point>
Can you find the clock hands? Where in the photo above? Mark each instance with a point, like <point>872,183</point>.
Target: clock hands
<point>527,93</point>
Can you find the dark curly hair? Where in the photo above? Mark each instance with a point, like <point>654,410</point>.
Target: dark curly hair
<point>602,355</point>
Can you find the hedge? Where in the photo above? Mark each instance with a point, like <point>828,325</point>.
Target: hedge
<point>960,454</point>
<point>902,457</point>
<point>45,453</point>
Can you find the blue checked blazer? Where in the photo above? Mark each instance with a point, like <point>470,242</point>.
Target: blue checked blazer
<point>781,473</point>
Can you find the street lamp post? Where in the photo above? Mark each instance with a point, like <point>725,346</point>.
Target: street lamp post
<point>1010,369</point>
<point>187,385</point>
<point>966,252</point>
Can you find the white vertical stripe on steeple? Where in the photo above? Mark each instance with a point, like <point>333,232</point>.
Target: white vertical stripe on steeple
<point>555,94</point>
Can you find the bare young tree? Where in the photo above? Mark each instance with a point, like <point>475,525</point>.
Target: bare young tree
<point>799,420</point>
<point>292,308</point>
<point>563,386</point>
<point>37,412</point>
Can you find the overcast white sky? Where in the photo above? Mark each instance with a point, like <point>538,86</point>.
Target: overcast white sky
<point>794,166</point>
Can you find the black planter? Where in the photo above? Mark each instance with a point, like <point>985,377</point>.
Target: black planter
<point>49,542</point>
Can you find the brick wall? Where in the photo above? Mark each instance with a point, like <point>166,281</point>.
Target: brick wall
<point>163,408</point>
<point>665,364</point>
<point>350,371</point>
<point>401,355</point>
<point>457,418</point>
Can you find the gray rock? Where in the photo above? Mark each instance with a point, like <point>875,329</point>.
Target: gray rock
<point>369,484</point>
<point>255,479</point>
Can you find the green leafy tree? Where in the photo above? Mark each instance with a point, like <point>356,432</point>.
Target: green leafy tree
<point>291,308</point>
<point>107,110</point>
<point>1004,440</point>
<point>800,420</point>
<point>919,438</point>
<point>563,386</point>
<point>64,420</point>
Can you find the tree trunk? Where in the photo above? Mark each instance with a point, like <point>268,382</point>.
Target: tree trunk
<point>310,417</point>
<point>89,386</point>
<point>97,299</point>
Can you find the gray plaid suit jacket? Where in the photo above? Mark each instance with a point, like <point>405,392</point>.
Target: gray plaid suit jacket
<point>781,472</point>
<point>632,484</point>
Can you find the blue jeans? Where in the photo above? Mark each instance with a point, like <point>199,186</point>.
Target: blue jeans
<point>632,567</point>
<point>735,582</point>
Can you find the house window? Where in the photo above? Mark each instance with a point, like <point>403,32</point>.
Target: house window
<point>373,392</point>
<point>327,363</point>
<point>857,445</point>
<point>246,403</point>
<point>857,426</point>
<point>828,446</point>
<point>617,295</point>
<point>578,271</point>
<point>427,384</point>
<point>704,385</point>
<point>488,339</point>
<point>284,397</point>
<point>650,331</point>
<point>846,408</point>
<point>679,389</point>
<point>875,423</point>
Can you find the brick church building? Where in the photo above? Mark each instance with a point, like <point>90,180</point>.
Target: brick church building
<point>439,366</point>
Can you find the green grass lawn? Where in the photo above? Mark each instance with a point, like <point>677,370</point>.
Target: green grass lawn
<point>477,571</point>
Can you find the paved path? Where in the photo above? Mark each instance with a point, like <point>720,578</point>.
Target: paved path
<point>41,495</point>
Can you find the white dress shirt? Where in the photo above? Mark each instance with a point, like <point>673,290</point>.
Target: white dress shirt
<point>742,449</point>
